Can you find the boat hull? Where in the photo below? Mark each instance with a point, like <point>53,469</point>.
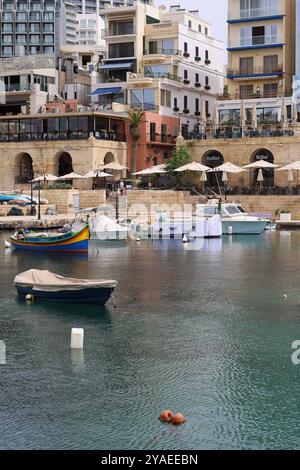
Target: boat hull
<point>67,243</point>
<point>244,227</point>
<point>95,295</point>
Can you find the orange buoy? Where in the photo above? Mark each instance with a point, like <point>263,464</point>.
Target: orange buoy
<point>178,419</point>
<point>166,416</point>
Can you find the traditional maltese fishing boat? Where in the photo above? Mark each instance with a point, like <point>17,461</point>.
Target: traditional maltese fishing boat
<point>70,242</point>
<point>44,285</point>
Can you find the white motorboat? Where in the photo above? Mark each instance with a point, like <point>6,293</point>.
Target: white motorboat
<point>192,226</point>
<point>235,220</point>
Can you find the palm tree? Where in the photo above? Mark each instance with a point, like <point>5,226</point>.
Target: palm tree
<point>135,118</point>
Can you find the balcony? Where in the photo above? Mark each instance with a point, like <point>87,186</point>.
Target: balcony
<point>148,76</point>
<point>162,52</point>
<point>255,72</point>
<point>255,42</point>
<point>160,139</point>
<point>124,30</point>
<point>255,14</point>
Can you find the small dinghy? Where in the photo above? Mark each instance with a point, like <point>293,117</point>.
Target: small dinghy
<point>44,285</point>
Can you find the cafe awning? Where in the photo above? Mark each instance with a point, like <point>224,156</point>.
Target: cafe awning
<point>106,91</point>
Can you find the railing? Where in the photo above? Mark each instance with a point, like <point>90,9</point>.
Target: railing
<point>118,31</point>
<point>253,41</point>
<point>145,106</point>
<point>251,96</point>
<point>160,139</point>
<point>264,70</point>
<point>162,51</point>
<point>57,136</point>
<point>168,76</point>
<point>255,13</point>
<point>225,133</point>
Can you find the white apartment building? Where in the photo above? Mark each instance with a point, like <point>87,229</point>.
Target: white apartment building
<point>89,30</point>
<point>160,60</point>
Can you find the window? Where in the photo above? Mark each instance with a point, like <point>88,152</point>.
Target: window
<point>197,79</point>
<point>207,108</point>
<point>185,102</point>
<point>163,131</point>
<point>48,49</point>
<point>144,98</point>
<point>152,131</point>
<point>229,116</point>
<point>199,28</point>
<point>175,103</point>
<point>206,31</point>
<point>270,64</point>
<point>153,47</point>
<point>197,105</point>
<point>166,155</point>
<point>7,17</point>
<point>190,24</point>
<point>270,90</point>
<point>21,16</point>
<point>246,65</point>
<point>267,115</point>
<point>7,51</point>
<point>165,98</point>
<point>185,74</point>
<point>156,71</point>
<point>167,46</point>
<point>125,49</point>
<point>197,54</point>
<point>206,55</point>
<point>206,81</point>
<point>185,47</point>
<point>246,91</point>
<point>7,39</point>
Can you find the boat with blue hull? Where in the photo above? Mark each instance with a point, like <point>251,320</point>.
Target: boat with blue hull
<point>70,242</point>
<point>50,287</point>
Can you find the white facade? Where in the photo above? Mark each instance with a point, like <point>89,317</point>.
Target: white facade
<point>89,30</point>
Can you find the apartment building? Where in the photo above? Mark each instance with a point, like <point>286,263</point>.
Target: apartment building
<point>30,27</point>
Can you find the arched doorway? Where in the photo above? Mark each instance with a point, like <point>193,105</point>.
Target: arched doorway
<point>213,159</point>
<point>268,173</point>
<point>109,158</point>
<point>64,164</point>
<point>23,168</point>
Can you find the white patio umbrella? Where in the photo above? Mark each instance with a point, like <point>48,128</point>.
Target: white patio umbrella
<point>114,166</point>
<point>194,166</point>
<point>203,178</point>
<point>97,174</point>
<point>290,176</point>
<point>71,176</point>
<point>224,176</point>
<point>260,176</point>
<point>228,167</point>
<point>44,177</point>
<point>260,164</point>
<point>291,166</point>
<point>154,170</point>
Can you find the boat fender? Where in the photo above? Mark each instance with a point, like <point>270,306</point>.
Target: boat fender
<point>230,230</point>
<point>285,296</point>
<point>166,416</point>
<point>30,297</point>
<point>185,239</point>
<point>178,419</point>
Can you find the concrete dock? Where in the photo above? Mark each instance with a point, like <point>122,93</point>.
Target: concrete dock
<point>46,222</point>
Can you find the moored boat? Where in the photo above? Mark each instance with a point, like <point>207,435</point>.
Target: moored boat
<point>70,242</point>
<point>47,286</point>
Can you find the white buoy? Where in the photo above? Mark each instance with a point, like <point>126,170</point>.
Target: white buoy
<point>230,230</point>
<point>285,296</point>
<point>137,239</point>
<point>7,244</point>
<point>29,297</point>
<point>77,336</point>
<point>185,239</point>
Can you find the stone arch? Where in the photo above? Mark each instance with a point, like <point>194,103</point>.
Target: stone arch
<point>63,163</point>
<point>23,168</point>
<point>109,158</point>
<point>212,159</point>
<point>268,173</point>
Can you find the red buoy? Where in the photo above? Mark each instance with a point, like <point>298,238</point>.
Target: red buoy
<point>178,419</point>
<point>166,416</point>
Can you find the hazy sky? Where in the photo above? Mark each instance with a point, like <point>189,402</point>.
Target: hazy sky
<point>215,11</point>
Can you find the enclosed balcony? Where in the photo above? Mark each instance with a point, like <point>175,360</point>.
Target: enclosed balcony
<point>255,14</point>
<point>119,29</point>
<point>255,42</point>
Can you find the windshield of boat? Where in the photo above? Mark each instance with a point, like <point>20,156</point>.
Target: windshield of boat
<point>210,210</point>
<point>232,210</point>
<point>241,209</point>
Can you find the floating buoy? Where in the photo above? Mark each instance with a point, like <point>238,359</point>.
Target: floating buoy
<point>166,416</point>
<point>185,239</point>
<point>137,239</point>
<point>178,419</point>
<point>230,230</point>
<point>285,296</point>
<point>77,336</point>
<point>29,297</point>
<point>7,244</point>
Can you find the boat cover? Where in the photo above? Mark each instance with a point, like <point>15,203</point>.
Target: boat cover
<point>47,281</point>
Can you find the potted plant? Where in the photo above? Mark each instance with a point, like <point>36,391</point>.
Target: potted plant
<point>197,58</point>
<point>197,84</point>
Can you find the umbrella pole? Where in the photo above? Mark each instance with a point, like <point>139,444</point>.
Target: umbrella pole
<point>218,183</point>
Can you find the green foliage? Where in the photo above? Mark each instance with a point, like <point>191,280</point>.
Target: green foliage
<point>60,185</point>
<point>135,118</point>
<point>181,157</point>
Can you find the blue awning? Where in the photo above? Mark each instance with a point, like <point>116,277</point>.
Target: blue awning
<point>114,66</point>
<point>106,91</point>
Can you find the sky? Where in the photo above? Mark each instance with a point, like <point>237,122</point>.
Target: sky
<point>215,11</point>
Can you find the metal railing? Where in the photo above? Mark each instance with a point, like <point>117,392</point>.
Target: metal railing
<point>251,96</point>
<point>168,76</point>
<point>160,139</point>
<point>254,13</point>
<point>253,41</point>
<point>58,136</point>
<point>162,51</point>
<point>236,132</point>
<point>278,69</point>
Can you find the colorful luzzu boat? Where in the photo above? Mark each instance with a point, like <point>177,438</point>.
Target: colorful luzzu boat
<point>71,242</point>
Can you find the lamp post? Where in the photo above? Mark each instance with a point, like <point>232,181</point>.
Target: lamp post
<point>39,200</point>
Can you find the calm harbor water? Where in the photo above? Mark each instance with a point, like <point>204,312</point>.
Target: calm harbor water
<point>206,333</point>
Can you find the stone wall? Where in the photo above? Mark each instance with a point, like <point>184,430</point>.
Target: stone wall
<point>269,204</point>
<point>93,198</point>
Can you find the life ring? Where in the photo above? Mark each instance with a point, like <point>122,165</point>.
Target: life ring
<point>178,419</point>
<point>166,416</point>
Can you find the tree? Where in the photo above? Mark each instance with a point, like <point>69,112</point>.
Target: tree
<point>181,157</point>
<point>135,118</point>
